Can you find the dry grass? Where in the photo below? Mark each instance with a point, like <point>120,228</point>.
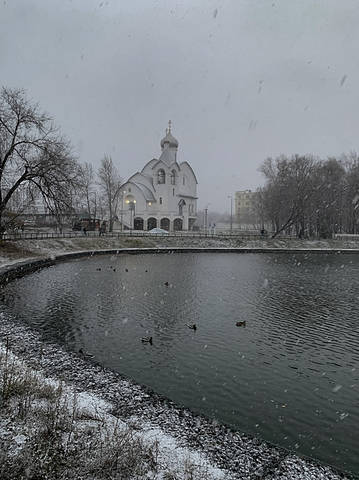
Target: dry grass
<point>45,434</point>
<point>59,440</point>
<point>14,251</point>
<point>188,470</point>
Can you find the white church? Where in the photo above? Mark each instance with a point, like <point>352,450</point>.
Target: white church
<point>163,194</point>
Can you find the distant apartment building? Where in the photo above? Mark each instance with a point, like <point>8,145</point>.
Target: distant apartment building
<point>244,207</point>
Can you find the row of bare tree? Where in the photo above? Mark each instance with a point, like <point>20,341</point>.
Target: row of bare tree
<point>36,161</point>
<point>302,195</point>
<point>99,192</point>
<point>310,197</point>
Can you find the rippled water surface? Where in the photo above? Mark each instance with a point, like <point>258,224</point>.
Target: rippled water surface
<point>291,375</point>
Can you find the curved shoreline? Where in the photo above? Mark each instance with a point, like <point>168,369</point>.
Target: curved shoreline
<point>246,457</point>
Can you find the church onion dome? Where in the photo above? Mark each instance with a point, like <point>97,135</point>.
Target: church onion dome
<point>169,138</point>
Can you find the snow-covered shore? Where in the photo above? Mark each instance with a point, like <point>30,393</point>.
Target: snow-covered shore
<point>11,252</point>
<point>213,450</point>
<point>52,403</point>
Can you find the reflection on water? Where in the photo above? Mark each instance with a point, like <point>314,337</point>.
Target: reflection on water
<point>290,376</point>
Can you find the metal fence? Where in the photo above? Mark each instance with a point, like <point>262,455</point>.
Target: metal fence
<point>137,233</point>
<point>346,236</point>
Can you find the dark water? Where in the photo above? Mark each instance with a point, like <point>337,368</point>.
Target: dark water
<point>291,376</point>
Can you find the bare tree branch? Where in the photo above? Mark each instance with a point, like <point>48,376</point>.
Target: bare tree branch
<point>32,152</point>
<point>110,183</point>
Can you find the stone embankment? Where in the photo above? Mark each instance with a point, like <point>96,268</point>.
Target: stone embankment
<point>12,251</point>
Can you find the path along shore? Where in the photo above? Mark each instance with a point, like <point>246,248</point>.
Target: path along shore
<point>13,251</point>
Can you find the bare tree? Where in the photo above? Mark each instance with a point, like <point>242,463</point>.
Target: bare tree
<point>88,191</point>
<point>110,183</point>
<point>329,195</point>
<point>350,162</point>
<point>34,158</point>
<point>287,194</point>
<point>312,197</point>
<point>259,208</point>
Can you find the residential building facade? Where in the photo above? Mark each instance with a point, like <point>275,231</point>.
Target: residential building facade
<point>244,207</point>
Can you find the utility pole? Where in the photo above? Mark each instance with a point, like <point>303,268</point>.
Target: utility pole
<point>206,220</point>
<point>231,221</point>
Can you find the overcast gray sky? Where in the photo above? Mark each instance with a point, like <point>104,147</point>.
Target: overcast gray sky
<point>241,80</point>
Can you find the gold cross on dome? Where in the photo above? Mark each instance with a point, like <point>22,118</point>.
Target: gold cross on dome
<point>169,126</point>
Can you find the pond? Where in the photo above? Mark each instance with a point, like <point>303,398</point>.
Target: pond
<point>290,375</point>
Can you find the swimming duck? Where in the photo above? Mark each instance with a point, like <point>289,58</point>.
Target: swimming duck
<point>167,284</point>
<point>85,355</point>
<point>146,340</point>
<point>241,324</point>
<point>192,326</point>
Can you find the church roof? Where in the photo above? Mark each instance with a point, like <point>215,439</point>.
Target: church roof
<point>145,179</point>
<point>190,168</point>
<point>168,157</point>
<point>149,164</point>
<point>147,193</point>
<point>169,138</point>
<point>144,183</point>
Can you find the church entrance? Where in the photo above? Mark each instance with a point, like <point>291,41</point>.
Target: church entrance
<point>165,224</point>
<point>151,223</point>
<point>138,223</point>
<point>178,224</point>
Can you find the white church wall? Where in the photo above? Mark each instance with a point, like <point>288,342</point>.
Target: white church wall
<point>165,197</point>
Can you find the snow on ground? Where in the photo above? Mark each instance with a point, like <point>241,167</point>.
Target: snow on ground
<point>12,252</point>
<point>185,442</point>
<point>170,456</point>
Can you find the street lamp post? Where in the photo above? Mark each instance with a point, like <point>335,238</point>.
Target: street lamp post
<point>133,213</point>
<point>123,194</point>
<point>132,207</point>
<point>206,218</point>
<point>231,221</point>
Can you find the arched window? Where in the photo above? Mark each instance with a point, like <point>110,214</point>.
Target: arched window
<point>151,223</point>
<point>138,223</point>
<point>165,223</point>
<point>161,176</point>
<point>181,203</point>
<point>173,177</point>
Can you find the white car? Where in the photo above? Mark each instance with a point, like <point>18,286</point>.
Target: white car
<point>158,231</point>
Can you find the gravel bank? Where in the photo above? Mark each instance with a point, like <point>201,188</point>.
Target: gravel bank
<point>242,456</point>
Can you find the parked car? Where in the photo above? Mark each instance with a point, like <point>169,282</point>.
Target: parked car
<point>89,224</point>
<point>158,231</point>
